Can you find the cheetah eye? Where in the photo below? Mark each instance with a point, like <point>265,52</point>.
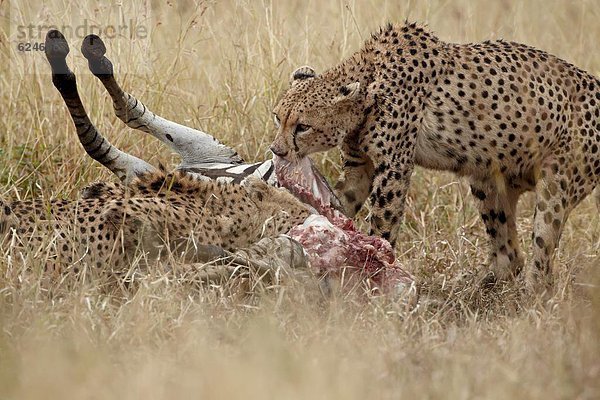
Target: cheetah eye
<point>301,128</point>
<point>276,120</point>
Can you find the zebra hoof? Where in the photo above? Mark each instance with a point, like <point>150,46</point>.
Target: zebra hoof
<point>56,46</point>
<point>93,50</point>
<point>93,47</point>
<point>56,49</point>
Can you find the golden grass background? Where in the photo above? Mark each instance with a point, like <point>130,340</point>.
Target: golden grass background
<point>219,66</point>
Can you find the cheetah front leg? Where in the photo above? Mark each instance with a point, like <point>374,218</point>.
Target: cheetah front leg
<point>353,188</point>
<point>498,207</point>
<point>393,153</point>
<point>387,200</point>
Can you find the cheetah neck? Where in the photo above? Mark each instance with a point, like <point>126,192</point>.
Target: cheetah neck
<point>357,68</point>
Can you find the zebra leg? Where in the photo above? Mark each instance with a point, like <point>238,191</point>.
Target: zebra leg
<point>194,147</point>
<point>123,165</point>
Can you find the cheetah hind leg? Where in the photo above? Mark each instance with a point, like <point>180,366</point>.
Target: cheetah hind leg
<point>497,205</point>
<point>554,202</point>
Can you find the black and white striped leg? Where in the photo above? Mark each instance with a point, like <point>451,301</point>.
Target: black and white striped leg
<point>123,165</point>
<point>194,146</point>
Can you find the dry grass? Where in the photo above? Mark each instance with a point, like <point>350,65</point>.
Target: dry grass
<point>220,66</point>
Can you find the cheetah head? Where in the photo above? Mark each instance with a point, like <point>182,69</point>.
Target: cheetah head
<point>315,114</point>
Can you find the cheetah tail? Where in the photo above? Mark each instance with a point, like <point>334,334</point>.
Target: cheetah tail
<point>125,166</point>
<point>194,146</point>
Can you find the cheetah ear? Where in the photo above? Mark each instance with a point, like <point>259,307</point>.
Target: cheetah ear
<point>302,73</point>
<point>347,92</point>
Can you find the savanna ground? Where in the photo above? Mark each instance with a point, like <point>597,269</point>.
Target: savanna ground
<point>219,66</point>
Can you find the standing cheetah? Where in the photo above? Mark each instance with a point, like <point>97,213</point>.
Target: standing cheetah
<point>509,117</point>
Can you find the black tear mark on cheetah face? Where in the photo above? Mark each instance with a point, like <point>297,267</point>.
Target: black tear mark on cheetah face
<point>315,115</point>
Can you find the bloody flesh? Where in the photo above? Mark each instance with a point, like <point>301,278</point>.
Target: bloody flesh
<point>330,239</point>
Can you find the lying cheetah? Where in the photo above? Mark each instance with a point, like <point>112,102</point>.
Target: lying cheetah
<point>161,214</point>
<point>509,117</point>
